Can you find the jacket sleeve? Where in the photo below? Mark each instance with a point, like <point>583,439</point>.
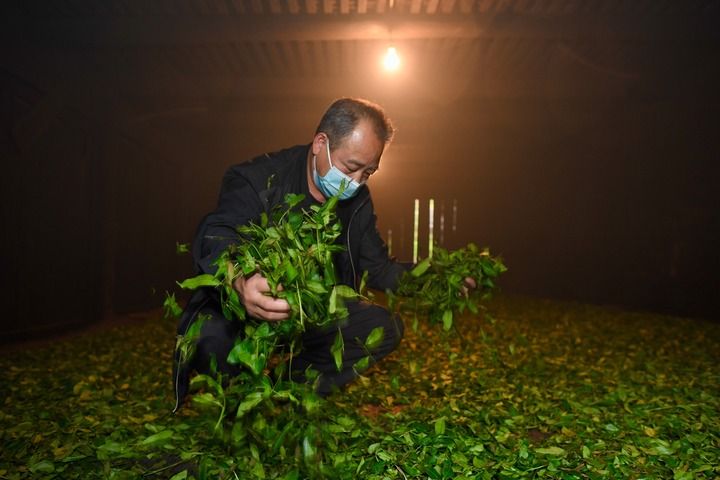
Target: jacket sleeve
<point>383,271</point>
<point>238,204</point>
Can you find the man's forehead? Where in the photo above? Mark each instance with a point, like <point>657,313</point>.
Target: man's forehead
<point>364,154</point>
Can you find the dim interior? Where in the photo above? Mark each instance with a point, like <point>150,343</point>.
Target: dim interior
<point>577,139</point>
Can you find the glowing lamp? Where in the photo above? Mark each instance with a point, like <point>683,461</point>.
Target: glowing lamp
<point>391,62</point>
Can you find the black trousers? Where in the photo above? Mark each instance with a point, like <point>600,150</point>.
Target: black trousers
<point>218,335</point>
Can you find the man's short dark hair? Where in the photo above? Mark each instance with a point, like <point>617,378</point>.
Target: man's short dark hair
<point>344,114</point>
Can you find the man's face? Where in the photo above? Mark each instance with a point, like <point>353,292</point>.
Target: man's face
<point>357,156</point>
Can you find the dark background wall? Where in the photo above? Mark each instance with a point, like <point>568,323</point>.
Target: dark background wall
<point>594,175</point>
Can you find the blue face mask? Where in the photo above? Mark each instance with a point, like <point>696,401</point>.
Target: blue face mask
<point>330,184</point>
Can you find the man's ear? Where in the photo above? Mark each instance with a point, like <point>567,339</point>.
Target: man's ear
<point>318,143</point>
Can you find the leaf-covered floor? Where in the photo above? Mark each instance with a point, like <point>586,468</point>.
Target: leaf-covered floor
<point>550,390</point>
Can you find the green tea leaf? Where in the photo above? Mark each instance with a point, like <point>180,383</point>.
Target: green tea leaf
<point>292,475</point>
<point>363,282</point>
<point>420,268</point>
<point>243,352</point>
<point>374,338</point>
<point>337,350</point>
<point>182,248</point>
<point>250,402</point>
<point>171,307</point>
<point>157,438</point>
<point>43,466</point>
<point>204,280</point>
<point>586,452</point>
<point>362,364</point>
<point>292,200</point>
<point>180,475</point>
<point>315,286</point>
<point>291,272</point>
<point>440,426</point>
<point>332,302</point>
<point>447,319</point>
<point>551,451</point>
<point>206,399</point>
<point>311,402</point>
<point>258,471</point>
<point>308,449</point>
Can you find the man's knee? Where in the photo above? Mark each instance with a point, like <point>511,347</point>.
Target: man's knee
<point>217,337</point>
<point>393,328</point>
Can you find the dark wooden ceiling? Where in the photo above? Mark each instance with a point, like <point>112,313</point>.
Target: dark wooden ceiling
<point>270,47</point>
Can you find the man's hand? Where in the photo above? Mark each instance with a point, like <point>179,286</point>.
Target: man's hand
<point>469,284</point>
<point>254,294</point>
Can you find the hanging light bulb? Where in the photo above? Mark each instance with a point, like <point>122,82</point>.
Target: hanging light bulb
<point>391,62</point>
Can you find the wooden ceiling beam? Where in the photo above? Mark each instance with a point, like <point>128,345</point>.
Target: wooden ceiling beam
<point>156,31</point>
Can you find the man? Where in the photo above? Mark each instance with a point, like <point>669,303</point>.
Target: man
<point>346,149</point>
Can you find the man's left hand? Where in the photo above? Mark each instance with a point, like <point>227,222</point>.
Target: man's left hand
<point>469,284</point>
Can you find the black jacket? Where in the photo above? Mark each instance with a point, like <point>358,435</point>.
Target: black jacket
<point>254,187</point>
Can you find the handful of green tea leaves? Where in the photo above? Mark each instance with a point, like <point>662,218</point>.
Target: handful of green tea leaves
<point>293,249</point>
<point>436,288</point>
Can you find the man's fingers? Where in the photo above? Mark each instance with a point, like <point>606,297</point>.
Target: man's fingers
<point>468,285</point>
<point>272,316</point>
<point>259,283</point>
<point>270,304</point>
<point>260,304</point>
<point>269,308</point>
<point>276,310</point>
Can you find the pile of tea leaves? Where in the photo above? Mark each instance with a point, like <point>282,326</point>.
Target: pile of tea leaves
<point>543,389</point>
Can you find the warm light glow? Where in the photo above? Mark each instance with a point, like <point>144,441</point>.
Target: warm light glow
<point>391,62</point>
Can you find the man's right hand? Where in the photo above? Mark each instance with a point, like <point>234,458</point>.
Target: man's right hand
<point>254,293</point>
